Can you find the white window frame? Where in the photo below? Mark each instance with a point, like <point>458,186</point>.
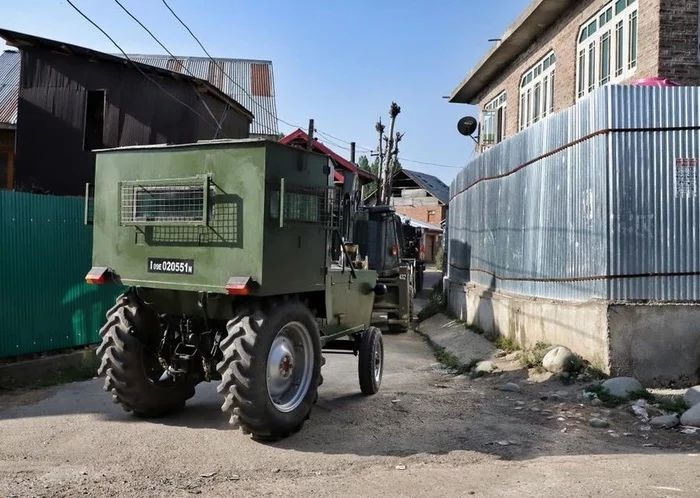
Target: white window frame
<point>537,91</point>
<point>494,120</point>
<point>610,31</point>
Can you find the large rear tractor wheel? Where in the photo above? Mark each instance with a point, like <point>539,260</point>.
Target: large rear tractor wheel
<point>130,365</point>
<point>370,365</point>
<point>271,369</point>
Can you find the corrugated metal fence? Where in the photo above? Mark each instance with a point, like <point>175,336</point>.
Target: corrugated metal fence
<point>45,252</point>
<point>597,201</point>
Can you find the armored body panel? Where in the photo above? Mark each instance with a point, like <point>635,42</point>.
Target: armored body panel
<point>212,215</point>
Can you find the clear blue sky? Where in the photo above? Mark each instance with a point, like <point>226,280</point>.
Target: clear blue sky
<point>341,63</point>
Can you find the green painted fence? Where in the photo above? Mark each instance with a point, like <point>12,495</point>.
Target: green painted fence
<point>45,252</point>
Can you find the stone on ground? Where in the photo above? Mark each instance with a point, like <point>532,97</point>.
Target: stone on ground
<point>622,386</point>
<point>692,396</point>
<point>665,421</point>
<point>510,387</point>
<point>483,368</point>
<point>560,359</point>
<point>692,416</point>
<point>599,424</point>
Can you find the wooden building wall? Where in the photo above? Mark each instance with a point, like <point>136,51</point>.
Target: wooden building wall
<point>53,152</point>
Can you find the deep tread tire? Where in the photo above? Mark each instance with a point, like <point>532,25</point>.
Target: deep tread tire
<point>122,357</point>
<point>243,370</point>
<point>371,341</point>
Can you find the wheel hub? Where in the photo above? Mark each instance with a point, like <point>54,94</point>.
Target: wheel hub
<point>377,362</point>
<point>286,366</point>
<point>280,366</point>
<point>290,366</point>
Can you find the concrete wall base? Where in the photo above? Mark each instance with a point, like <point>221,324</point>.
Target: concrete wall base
<point>45,370</point>
<point>659,344</point>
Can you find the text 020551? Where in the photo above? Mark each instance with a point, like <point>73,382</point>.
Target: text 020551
<point>162,265</point>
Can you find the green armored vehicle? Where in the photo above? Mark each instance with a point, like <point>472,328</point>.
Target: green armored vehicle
<point>378,233</point>
<point>226,249</point>
<point>378,241</point>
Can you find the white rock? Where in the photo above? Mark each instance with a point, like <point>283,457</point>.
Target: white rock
<point>599,424</point>
<point>510,387</point>
<point>692,396</point>
<point>692,416</point>
<point>483,368</point>
<point>665,421</point>
<point>622,386</point>
<point>560,359</point>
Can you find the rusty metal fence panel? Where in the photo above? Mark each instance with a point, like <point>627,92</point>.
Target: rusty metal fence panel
<point>599,201</point>
<point>45,252</point>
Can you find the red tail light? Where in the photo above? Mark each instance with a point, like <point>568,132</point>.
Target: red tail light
<point>238,286</point>
<point>97,275</point>
<point>394,250</point>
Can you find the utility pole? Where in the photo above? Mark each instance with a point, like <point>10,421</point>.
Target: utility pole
<point>310,143</point>
<point>385,185</point>
<point>352,152</point>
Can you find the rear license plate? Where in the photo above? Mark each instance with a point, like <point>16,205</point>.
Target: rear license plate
<point>163,265</point>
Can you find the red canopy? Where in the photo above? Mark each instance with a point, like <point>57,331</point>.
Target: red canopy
<point>655,81</point>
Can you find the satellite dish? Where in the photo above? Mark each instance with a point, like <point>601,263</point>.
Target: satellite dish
<point>467,126</point>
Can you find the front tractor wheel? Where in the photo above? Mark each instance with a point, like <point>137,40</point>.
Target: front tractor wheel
<point>131,369</point>
<point>271,369</point>
<point>371,361</point>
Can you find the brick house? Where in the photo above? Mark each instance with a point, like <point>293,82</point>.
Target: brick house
<point>558,51</point>
<point>422,200</point>
<point>420,196</point>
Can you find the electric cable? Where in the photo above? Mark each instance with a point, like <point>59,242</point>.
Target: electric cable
<point>137,65</point>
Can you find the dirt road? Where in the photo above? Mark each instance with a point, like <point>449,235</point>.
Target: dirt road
<point>426,433</point>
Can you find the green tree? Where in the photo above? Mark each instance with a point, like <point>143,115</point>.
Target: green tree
<point>373,167</point>
<point>363,163</point>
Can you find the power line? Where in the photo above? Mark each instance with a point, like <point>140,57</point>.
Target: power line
<point>264,126</point>
<point>399,158</point>
<point>136,65</point>
<point>366,149</point>
<point>222,69</point>
<point>173,56</point>
<point>218,122</point>
<point>328,140</point>
<point>429,163</point>
<point>357,146</point>
<point>201,45</point>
